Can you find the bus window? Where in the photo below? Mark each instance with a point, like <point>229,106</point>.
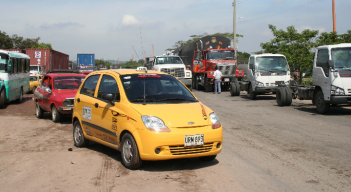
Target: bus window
<point>14,66</point>
<point>3,62</point>
<point>27,65</point>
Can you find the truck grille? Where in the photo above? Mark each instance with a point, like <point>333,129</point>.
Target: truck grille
<point>181,150</point>
<point>227,70</point>
<point>177,72</point>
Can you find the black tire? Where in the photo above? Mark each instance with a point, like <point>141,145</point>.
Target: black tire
<point>196,83</point>
<point>322,106</point>
<point>237,88</point>
<point>208,158</point>
<point>55,114</point>
<point>130,152</point>
<point>208,86</point>
<point>78,135</point>
<point>39,112</point>
<point>20,99</point>
<point>288,93</point>
<point>193,83</point>
<point>2,99</point>
<point>233,89</point>
<point>281,96</point>
<point>252,94</point>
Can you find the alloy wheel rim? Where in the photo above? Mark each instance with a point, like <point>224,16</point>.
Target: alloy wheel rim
<point>54,114</point>
<point>77,134</point>
<point>37,110</point>
<point>127,151</point>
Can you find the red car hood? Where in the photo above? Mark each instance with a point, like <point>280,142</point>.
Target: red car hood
<point>67,93</point>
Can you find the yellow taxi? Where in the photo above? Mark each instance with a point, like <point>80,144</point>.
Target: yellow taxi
<point>147,115</point>
<point>34,82</point>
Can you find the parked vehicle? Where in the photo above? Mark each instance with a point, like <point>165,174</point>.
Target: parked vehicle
<point>14,76</point>
<point>34,82</point>
<point>56,92</point>
<point>172,65</point>
<point>47,59</point>
<point>331,80</point>
<point>147,115</point>
<point>265,72</point>
<point>202,57</point>
<point>86,62</point>
<point>35,70</point>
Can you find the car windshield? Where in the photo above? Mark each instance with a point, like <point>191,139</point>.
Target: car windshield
<point>68,82</point>
<point>342,58</point>
<point>168,60</point>
<point>220,54</point>
<point>157,88</point>
<point>33,78</point>
<point>272,64</point>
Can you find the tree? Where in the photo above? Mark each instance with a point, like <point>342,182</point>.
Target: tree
<point>102,61</point>
<point>243,57</point>
<point>42,46</point>
<point>132,65</point>
<point>5,41</point>
<point>333,38</point>
<point>295,46</point>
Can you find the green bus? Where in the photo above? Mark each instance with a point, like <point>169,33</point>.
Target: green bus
<point>14,76</point>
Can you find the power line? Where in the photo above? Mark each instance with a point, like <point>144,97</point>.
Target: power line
<point>278,13</point>
<point>136,52</point>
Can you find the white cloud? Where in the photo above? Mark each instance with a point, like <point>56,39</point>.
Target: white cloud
<point>129,20</point>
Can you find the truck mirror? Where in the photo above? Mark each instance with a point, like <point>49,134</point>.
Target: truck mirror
<point>293,67</point>
<point>252,66</point>
<point>331,63</point>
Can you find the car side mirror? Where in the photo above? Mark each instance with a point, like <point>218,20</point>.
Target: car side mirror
<point>48,90</point>
<point>108,97</point>
<point>331,64</point>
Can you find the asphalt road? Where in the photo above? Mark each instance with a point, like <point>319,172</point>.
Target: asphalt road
<point>266,148</point>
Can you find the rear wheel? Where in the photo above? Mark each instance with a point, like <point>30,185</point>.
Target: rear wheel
<point>281,96</point>
<point>237,88</point>
<point>78,136</point>
<point>233,89</point>
<point>288,96</point>
<point>208,158</point>
<point>2,99</point>
<point>130,152</point>
<point>55,114</point>
<point>252,93</point>
<point>38,111</point>
<point>322,106</point>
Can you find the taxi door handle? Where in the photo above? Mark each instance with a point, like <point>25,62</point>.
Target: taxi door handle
<point>96,105</point>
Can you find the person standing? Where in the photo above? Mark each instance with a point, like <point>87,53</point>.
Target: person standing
<point>217,80</point>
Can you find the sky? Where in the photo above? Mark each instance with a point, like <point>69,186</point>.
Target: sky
<point>111,28</point>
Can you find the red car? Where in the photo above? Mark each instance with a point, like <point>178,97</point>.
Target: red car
<point>56,93</point>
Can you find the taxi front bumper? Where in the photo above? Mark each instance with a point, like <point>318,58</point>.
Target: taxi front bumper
<point>171,144</point>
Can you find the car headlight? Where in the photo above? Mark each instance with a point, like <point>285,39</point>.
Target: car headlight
<point>154,124</point>
<point>215,121</point>
<point>337,91</point>
<point>259,84</point>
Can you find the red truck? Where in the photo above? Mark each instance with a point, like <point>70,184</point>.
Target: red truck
<point>202,56</point>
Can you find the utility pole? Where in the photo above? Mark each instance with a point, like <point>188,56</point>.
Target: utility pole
<point>334,25</point>
<point>234,30</point>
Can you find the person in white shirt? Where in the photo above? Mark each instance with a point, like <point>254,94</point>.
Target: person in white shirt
<point>217,80</point>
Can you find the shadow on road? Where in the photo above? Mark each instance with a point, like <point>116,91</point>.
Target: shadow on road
<point>338,110</point>
<point>156,166</point>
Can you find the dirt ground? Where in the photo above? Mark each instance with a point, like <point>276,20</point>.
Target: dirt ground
<point>280,149</point>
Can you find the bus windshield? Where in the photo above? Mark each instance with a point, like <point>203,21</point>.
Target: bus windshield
<point>272,64</point>
<point>220,54</point>
<point>3,62</point>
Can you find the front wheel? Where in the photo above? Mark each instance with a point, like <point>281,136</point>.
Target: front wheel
<point>237,85</point>
<point>55,114</point>
<point>281,96</point>
<point>322,106</point>
<point>78,136</point>
<point>2,99</point>
<point>130,152</point>
<point>233,89</point>
<point>252,93</point>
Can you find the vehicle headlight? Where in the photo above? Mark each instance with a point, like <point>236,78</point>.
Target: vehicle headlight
<point>259,84</point>
<point>215,121</point>
<point>154,124</point>
<point>187,74</point>
<point>337,91</point>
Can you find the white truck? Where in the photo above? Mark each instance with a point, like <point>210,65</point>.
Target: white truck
<point>173,65</point>
<point>264,73</point>
<point>331,80</point>
<point>35,70</point>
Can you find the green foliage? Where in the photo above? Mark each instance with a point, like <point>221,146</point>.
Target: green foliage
<point>295,46</point>
<point>307,81</point>
<point>132,64</point>
<point>243,57</point>
<point>197,37</point>
<point>101,61</point>
<point>17,42</point>
<point>333,38</point>
<point>42,46</point>
<point>5,41</point>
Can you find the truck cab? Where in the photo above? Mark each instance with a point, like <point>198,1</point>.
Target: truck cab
<point>172,65</point>
<point>265,73</point>
<point>35,70</point>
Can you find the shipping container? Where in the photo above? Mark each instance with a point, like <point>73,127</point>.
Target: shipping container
<point>86,62</point>
<point>48,59</point>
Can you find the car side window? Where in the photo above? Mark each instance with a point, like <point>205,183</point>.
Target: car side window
<point>90,85</point>
<point>322,60</point>
<point>45,82</point>
<point>108,84</point>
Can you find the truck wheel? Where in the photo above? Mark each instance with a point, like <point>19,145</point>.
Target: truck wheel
<point>233,89</point>
<point>208,86</point>
<point>196,84</point>
<point>253,95</point>
<point>322,106</point>
<point>130,152</point>
<point>38,111</point>
<point>55,114</point>
<point>78,136</point>
<point>193,83</point>
<point>281,96</point>
<point>2,99</point>
<point>288,96</point>
<point>237,85</point>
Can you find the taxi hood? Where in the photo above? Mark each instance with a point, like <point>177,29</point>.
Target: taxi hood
<point>180,115</point>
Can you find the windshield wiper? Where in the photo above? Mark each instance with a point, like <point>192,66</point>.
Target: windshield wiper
<point>175,99</point>
<point>141,100</point>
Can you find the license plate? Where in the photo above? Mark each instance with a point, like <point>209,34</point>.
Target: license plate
<point>193,140</point>
<point>226,79</point>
